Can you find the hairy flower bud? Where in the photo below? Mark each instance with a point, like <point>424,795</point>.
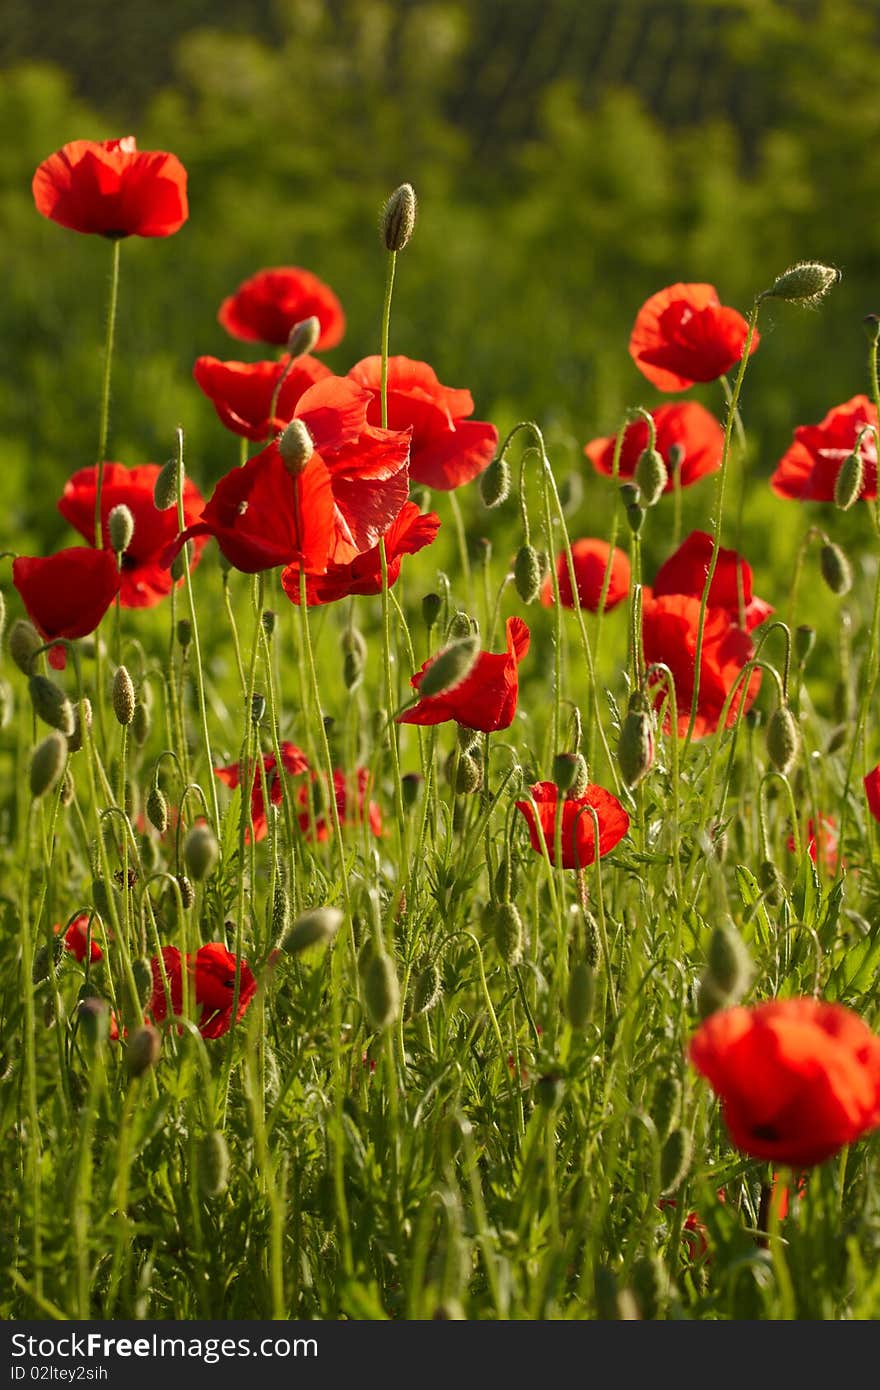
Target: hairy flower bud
<point>93,1016</point>
<point>399,217</point>
<point>295,447</point>
<point>157,809</point>
<point>730,965</point>
<point>123,696</point>
<point>168,479</point>
<point>427,989</point>
<point>187,891</point>
<point>200,851</point>
<point>805,283</point>
<point>835,568</point>
<point>381,991</point>
<point>450,666</point>
<point>120,528</point>
<point>51,704</point>
<point>47,763</point>
<point>24,642</point>
<point>635,746</point>
<point>666,1104</point>
<point>850,480</point>
<point>579,996</point>
<point>303,336</point>
<point>142,974</point>
<point>140,724</point>
<point>804,642</point>
<point>431,608</point>
<point>783,739</point>
<point>527,573</point>
<point>495,483</point>
<point>467,771</point>
<point>316,927</point>
<point>142,1050</point>
<point>651,476</point>
<point>570,773</point>
<point>507,929</point>
<point>213,1164</point>
<point>770,882</point>
<point>675,1160</point>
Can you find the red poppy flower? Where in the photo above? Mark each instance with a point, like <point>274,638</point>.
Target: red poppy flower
<point>144,581</point>
<point>447,448</point>
<point>486,698</point>
<point>685,573</point>
<point>669,634</point>
<point>112,188</point>
<point>67,594</point>
<point>293,761</point>
<point>797,1078</point>
<point>242,392</point>
<point>578,828</point>
<point>350,813</point>
<point>267,306</point>
<point>346,497</point>
<point>872,791</point>
<point>808,469</point>
<point>590,562</point>
<point>684,426</point>
<point>409,532</point>
<point>683,334</point>
<point>825,840</point>
<point>76,939</point>
<point>212,970</point>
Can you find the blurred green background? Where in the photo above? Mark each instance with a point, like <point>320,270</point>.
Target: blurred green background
<point>570,159</point>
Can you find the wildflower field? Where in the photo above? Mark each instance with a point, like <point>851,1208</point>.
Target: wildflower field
<point>439,855</point>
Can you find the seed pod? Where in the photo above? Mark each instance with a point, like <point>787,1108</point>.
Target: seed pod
<point>140,724</point>
<point>411,785</point>
<point>200,851</point>
<point>166,485</point>
<point>142,972</point>
<point>783,739</point>
<point>93,1015</point>
<point>142,1050</point>
<point>316,927</point>
<point>120,528</point>
<point>295,447</point>
<point>570,772</point>
<point>805,283</point>
<point>51,704</point>
<point>730,964</point>
<point>182,561</point>
<point>431,607</point>
<point>450,666</point>
<point>184,633</point>
<point>47,763</point>
<point>836,569</point>
<point>666,1104</point>
<point>651,476</point>
<point>24,642</point>
<point>213,1164</point>
<point>804,642</point>
<point>399,217</point>
<point>157,809</point>
<point>495,483</point>
<point>123,696</point>
<point>635,516</point>
<point>427,990</point>
<point>187,892</point>
<point>675,1160</point>
<point>630,495</point>
<point>467,771</point>
<point>580,995</point>
<point>770,882</point>
<point>527,573</point>
<point>381,992</point>
<point>635,746</point>
<point>507,929</point>
<point>303,336</point>
<point>849,481</point>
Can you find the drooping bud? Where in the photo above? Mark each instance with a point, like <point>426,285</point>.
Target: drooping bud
<point>51,704</point>
<point>805,283</point>
<point>140,724</point>
<point>568,770</point>
<point>651,476</point>
<point>157,809</point>
<point>871,325</point>
<point>783,739</point>
<point>804,642</point>
<point>295,447</point>
<point>527,573</point>
<point>729,962</point>
<point>93,1015</point>
<point>200,851</point>
<point>507,929</point>
<point>213,1164</point>
<point>427,989</point>
<point>450,666</point>
<point>495,483</point>
<point>836,570</point>
<point>381,991</point>
<point>120,528</point>
<point>666,1103</point>
<point>580,995</point>
<point>143,979</point>
<point>467,772</point>
<point>123,696</point>
<point>170,475</point>
<point>316,927</point>
<point>182,561</point>
<point>399,217</point>
<point>770,882</point>
<point>24,642</point>
<point>304,336</point>
<point>635,746</point>
<point>460,625</point>
<point>142,1050</point>
<point>850,480</point>
<point>431,606</point>
<point>47,763</point>
<point>675,1160</point>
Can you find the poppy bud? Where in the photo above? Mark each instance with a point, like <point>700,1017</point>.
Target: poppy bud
<point>169,477</point>
<point>258,707</point>
<point>157,809</point>
<point>355,648</point>
<point>783,739</point>
<point>181,561</point>
<point>850,480</point>
<point>428,988</point>
<point>570,773</point>
<point>316,927</point>
<point>835,568</point>
<point>635,516</point>
<point>804,642</point>
<point>770,882</point>
<point>143,979</point>
<point>580,995</point>
<point>675,1160</point>
<point>295,447</point>
<point>140,724</point>
<point>51,704</point>
<point>24,642</point>
<point>527,573</point>
<point>450,667</point>
<point>635,746</point>
<point>460,625</point>
<point>399,217</point>
<point>431,606</point>
<point>871,325</point>
<point>93,1015</point>
<point>187,892</point>
<point>729,962</point>
<point>805,283</point>
<point>651,476</point>
<point>200,851</point>
<point>495,483</point>
<point>675,456</point>
<point>507,928</point>
<point>120,528</point>
<point>142,1051</point>
<point>123,696</point>
<point>184,633</point>
<point>468,772</point>
<point>47,763</point>
<point>666,1103</point>
<point>42,967</point>
<point>213,1164</point>
<point>411,787</point>
<point>303,336</point>
<point>630,495</point>
<point>592,939</point>
<point>268,618</point>
<point>651,1285</point>
<point>381,992</point>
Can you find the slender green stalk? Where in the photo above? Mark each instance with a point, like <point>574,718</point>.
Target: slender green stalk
<point>104,425</point>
